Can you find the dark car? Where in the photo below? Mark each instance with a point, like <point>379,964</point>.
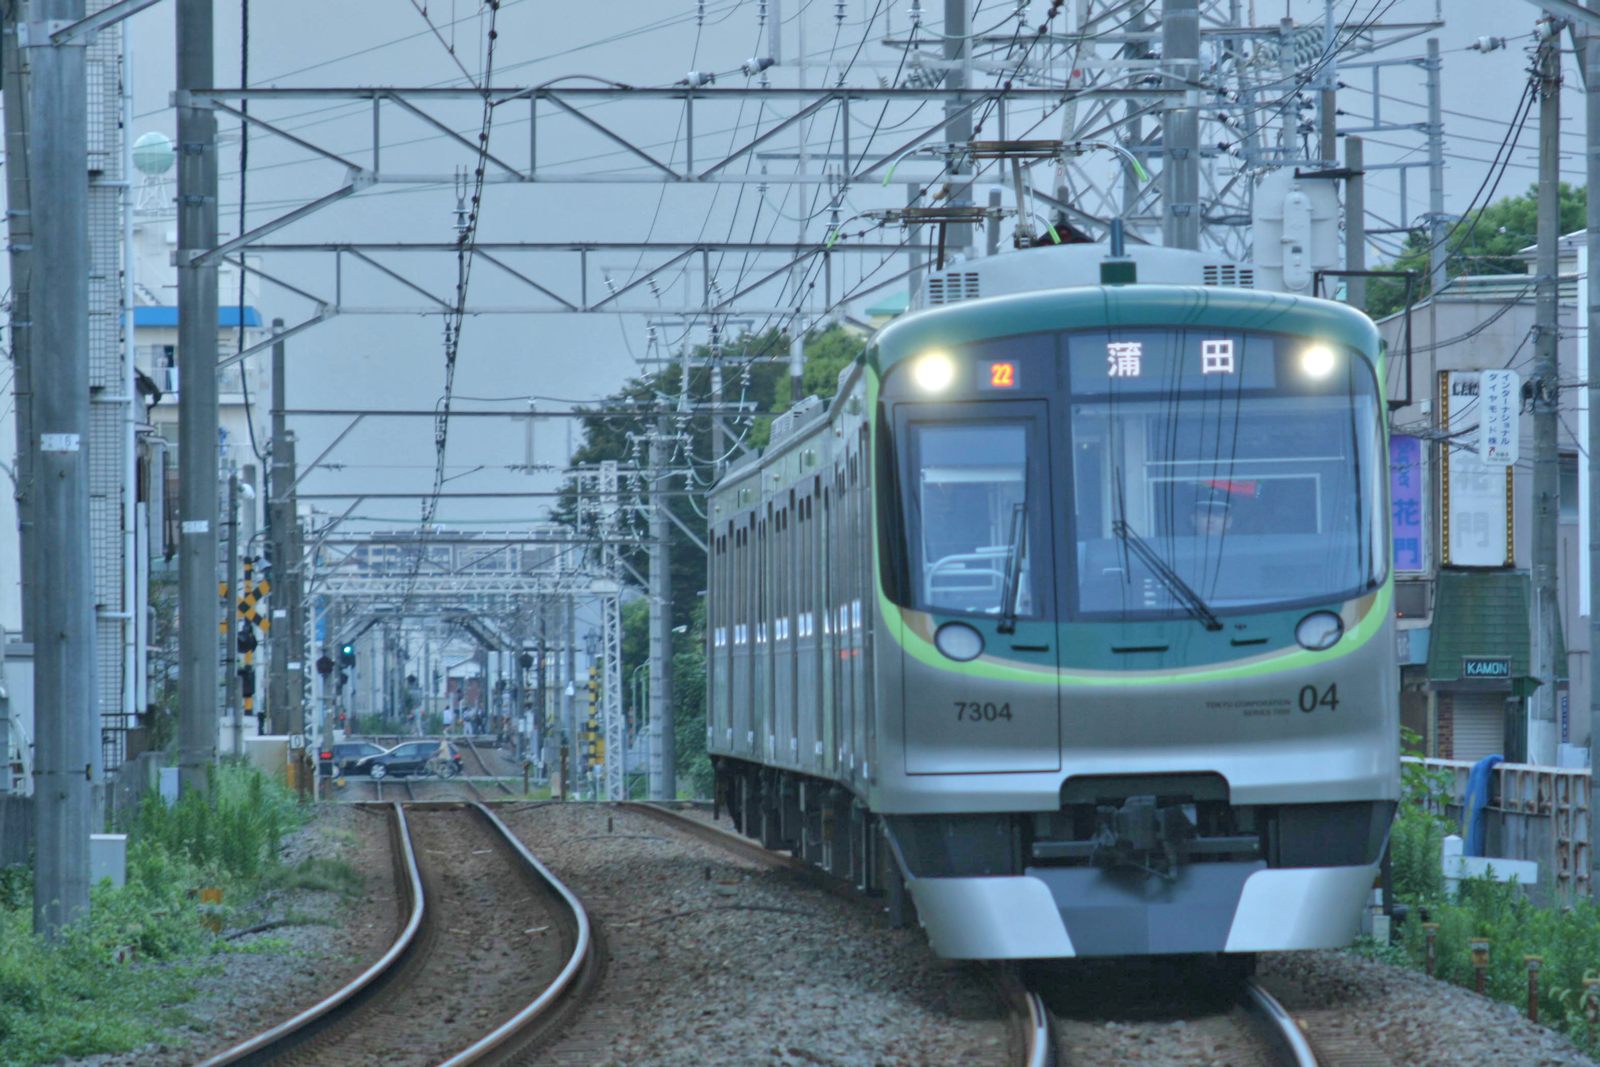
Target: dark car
<point>343,757</point>
<point>411,757</point>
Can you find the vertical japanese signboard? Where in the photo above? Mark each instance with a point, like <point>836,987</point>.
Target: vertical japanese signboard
<point>1499,405</point>
<point>1407,497</point>
<point>1475,497</point>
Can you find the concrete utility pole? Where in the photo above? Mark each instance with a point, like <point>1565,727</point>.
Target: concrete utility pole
<point>66,724</point>
<point>663,755</point>
<point>1180,127</point>
<point>569,696</point>
<point>1437,223</point>
<point>287,715</point>
<point>1355,222</point>
<point>19,226</point>
<point>1546,480</point>
<point>958,51</point>
<point>233,684</point>
<point>1590,55</point>
<point>1328,96</point>
<point>286,638</point>
<point>197,400</point>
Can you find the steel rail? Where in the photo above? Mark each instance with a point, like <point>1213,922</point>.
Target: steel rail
<point>1291,1040</point>
<point>483,765</point>
<point>506,1032</point>
<point>500,1043</point>
<point>1038,1044</point>
<point>261,1047</point>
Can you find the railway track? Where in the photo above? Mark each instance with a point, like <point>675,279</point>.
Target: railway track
<point>1160,1012</point>
<point>468,979</point>
<point>1030,1022</point>
<point>483,765</point>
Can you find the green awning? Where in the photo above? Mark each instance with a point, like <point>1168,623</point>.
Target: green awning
<point>1479,618</point>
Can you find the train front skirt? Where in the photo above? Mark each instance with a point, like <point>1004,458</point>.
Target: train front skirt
<point>1053,912</point>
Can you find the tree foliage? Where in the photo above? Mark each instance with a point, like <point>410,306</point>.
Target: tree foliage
<point>755,379</point>
<point>1484,242</point>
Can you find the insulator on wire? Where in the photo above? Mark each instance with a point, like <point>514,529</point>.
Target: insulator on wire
<point>461,202</point>
<point>755,65</point>
<point>696,78</point>
<point>838,11</point>
<point>916,14</point>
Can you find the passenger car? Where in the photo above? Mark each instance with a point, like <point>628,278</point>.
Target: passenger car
<point>343,757</point>
<point>412,758</point>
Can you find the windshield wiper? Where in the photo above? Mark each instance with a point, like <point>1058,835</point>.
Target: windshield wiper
<point>1013,576</point>
<point>1191,601</point>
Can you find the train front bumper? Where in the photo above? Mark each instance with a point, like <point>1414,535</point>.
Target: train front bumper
<point>1054,912</point>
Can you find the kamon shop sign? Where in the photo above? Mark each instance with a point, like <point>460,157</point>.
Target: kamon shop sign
<point>1486,667</point>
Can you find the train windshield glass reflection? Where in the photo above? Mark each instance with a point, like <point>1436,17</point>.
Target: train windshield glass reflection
<point>1254,483</point>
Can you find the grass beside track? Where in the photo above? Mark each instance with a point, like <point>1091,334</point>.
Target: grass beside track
<point>1566,937</point>
<point>120,978</point>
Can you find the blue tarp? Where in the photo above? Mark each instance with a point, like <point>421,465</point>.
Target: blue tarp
<point>1476,800</point>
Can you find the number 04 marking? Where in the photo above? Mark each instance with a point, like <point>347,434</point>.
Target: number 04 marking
<point>1311,698</point>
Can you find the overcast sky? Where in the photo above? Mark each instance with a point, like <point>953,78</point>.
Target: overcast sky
<point>380,361</point>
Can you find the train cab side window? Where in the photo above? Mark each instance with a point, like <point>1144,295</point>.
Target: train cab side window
<point>974,511</point>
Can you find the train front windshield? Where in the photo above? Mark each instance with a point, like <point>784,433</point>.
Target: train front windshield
<point>1247,466</point>
<point>1240,470</point>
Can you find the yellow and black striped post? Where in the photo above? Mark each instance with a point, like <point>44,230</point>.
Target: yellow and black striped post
<point>251,616</point>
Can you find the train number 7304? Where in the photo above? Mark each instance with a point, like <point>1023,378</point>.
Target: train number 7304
<point>982,711</point>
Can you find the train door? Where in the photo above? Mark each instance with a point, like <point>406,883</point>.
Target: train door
<point>743,739</point>
<point>810,689</point>
<point>828,638</point>
<point>975,495</point>
<point>760,671</point>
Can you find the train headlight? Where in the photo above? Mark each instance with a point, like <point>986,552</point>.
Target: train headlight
<point>958,641</point>
<point>1319,631</point>
<point>933,372</point>
<point>1318,361</point>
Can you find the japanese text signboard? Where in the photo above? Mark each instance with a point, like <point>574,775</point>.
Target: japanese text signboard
<point>1499,404</point>
<point>1475,496</point>
<point>1407,497</point>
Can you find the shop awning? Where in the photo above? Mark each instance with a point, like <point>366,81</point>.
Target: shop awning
<point>1480,632</point>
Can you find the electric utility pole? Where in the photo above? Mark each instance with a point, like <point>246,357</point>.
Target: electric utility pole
<point>1180,128</point>
<point>19,227</point>
<point>197,400</point>
<point>1589,55</point>
<point>663,757</point>
<point>1546,483</point>
<point>287,714</point>
<point>1355,222</point>
<point>958,131</point>
<point>66,722</point>
<point>1437,223</point>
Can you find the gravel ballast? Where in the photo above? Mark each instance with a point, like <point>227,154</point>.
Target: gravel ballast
<point>716,960</point>
<point>1407,1018</point>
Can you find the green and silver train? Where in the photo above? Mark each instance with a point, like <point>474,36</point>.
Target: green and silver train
<point>1067,622</point>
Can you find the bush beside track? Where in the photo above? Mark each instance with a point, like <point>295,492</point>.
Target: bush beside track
<point>119,978</point>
